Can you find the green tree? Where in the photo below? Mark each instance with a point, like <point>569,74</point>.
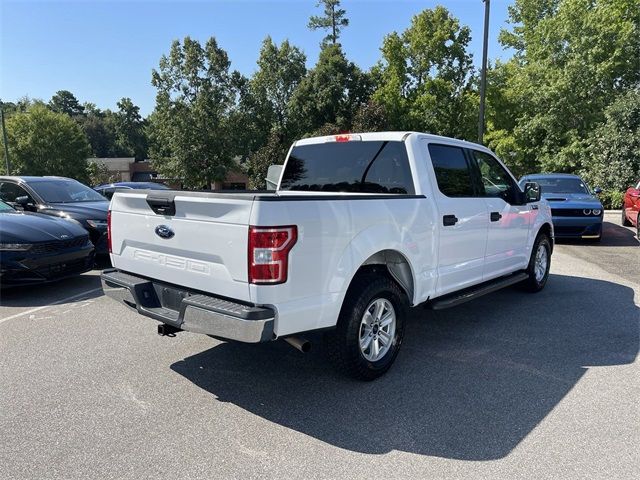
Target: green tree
<point>572,59</point>
<point>130,132</point>
<point>98,174</point>
<point>265,112</point>
<point>99,127</point>
<point>613,148</point>
<point>370,117</point>
<point>280,71</point>
<point>333,20</point>
<point>331,92</point>
<point>196,95</point>
<point>66,102</point>
<point>425,78</point>
<point>273,152</point>
<point>43,142</point>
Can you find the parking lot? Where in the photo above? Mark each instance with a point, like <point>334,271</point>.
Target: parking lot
<point>511,385</point>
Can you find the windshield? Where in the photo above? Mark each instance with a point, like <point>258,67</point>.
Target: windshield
<point>562,185</point>
<point>5,208</point>
<point>65,191</point>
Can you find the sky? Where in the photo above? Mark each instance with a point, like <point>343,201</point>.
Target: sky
<point>105,50</point>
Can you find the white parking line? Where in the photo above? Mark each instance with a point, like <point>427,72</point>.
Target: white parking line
<point>37,309</point>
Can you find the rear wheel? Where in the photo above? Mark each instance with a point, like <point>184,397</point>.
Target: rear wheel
<point>370,328</point>
<point>539,264</point>
<point>625,221</point>
<point>638,227</point>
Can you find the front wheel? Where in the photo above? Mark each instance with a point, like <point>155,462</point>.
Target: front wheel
<point>625,221</point>
<point>539,264</point>
<point>370,328</point>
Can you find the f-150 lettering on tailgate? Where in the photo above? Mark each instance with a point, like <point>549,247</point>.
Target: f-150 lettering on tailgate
<point>172,261</point>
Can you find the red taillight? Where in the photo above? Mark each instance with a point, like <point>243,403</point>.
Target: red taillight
<point>269,249</point>
<point>109,230</point>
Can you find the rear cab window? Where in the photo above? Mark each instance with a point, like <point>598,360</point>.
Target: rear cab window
<point>355,167</point>
<point>452,169</point>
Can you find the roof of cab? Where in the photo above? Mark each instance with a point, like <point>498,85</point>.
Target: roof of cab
<point>385,136</point>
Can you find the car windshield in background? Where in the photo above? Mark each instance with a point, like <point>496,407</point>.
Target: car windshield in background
<point>562,185</point>
<point>355,166</point>
<point>65,191</point>
<point>5,208</point>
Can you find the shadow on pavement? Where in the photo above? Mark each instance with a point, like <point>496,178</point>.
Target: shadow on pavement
<point>613,235</point>
<point>45,294</point>
<point>470,382</point>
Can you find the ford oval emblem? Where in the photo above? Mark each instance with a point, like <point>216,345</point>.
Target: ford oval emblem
<point>164,232</point>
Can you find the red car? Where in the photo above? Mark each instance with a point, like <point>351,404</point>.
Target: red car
<point>631,208</point>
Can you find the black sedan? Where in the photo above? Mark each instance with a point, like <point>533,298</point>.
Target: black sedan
<point>37,248</point>
<point>60,197</point>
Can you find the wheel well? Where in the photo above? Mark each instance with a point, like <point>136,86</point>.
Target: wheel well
<point>395,265</point>
<point>546,229</point>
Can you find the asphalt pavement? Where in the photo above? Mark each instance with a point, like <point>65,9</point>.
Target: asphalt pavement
<point>511,385</point>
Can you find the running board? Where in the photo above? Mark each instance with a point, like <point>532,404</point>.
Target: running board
<point>457,298</point>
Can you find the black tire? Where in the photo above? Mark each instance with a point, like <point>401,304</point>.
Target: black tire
<point>625,221</point>
<point>343,343</point>
<point>533,284</point>
<point>638,227</point>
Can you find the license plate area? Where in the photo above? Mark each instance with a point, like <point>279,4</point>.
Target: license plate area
<point>170,297</point>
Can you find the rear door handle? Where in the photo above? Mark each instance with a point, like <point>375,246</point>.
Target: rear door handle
<point>449,220</point>
<point>495,216</point>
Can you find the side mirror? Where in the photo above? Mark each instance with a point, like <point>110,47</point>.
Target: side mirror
<point>532,192</point>
<point>273,176</point>
<point>23,201</point>
<point>597,190</point>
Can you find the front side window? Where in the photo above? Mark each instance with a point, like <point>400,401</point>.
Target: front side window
<point>354,166</point>
<point>452,170</point>
<point>10,191</point>
<point>496,181</point>
<point>65,191</point>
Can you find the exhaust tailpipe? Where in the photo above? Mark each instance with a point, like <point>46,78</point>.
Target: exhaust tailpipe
<point>299,343</point>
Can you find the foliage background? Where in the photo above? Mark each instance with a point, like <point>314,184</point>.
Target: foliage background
<point>567,101</point>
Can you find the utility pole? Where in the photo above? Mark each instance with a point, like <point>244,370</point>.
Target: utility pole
<point>483,74</point>
<point>4,141</point>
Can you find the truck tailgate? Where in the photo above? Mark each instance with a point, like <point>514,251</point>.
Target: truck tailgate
<point>203,245</point>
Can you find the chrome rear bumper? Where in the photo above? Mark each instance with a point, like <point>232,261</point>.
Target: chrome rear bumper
<point>189,310</point>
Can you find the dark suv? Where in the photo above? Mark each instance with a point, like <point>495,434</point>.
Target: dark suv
<point>61,197</point>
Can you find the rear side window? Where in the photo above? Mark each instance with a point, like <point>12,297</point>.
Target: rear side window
<point>356,166</point>
<point>452,170</point>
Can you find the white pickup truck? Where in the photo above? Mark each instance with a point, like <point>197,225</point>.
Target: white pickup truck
<point>361,227</point>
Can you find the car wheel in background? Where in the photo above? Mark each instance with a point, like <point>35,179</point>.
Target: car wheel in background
<point>625,221</point>
<point>539,265</point>
<point>370,328</point>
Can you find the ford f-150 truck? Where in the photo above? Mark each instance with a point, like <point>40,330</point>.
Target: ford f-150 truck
<point>361,227</point>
